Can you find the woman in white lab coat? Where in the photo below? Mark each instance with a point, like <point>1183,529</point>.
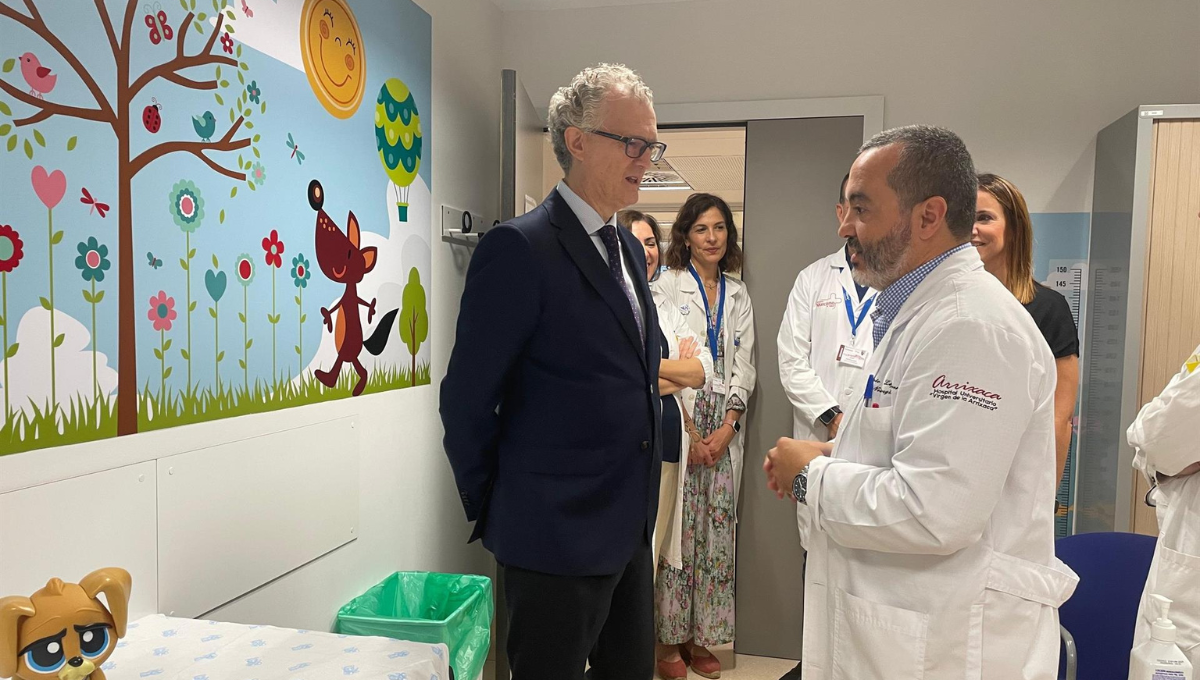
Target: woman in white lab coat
<point>694,604</point>
<point>685,367</point>
<point>1164,436</point>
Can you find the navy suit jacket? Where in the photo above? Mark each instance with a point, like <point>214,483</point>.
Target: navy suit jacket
<point>550,403</point>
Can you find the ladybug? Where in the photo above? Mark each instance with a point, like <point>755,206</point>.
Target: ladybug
<point>151,117</point>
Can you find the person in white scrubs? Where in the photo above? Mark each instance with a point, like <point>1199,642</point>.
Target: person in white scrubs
<point>1164,436</point>
<point>931,550</point>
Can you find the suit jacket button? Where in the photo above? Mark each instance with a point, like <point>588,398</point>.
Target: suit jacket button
<point>645,446</point>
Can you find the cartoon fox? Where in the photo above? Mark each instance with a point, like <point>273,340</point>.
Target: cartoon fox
<point>343,261</point>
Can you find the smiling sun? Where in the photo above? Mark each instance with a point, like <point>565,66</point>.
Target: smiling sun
<point>334,58</point>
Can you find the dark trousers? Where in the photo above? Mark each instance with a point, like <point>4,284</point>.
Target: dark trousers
<point>557,624</point>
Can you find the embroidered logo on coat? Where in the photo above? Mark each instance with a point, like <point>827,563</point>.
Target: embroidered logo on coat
<point>946,390</point>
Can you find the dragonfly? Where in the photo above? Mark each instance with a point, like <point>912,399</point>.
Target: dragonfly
<point>155,263</point>
<point>87,199</point>
<point>296,152</point>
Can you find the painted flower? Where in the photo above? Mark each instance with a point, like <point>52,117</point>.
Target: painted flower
<point>254,91</point>
<point>274,249</point>
<point>162,311</point>
<point>258,174</point>
<point>227,43</point>
<point>93,260</point>
<point>10,248</point>
<point>187,206</point>
<point>244,269</point>
<point>300,271</point>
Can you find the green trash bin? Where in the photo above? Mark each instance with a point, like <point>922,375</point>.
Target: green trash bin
<point>417,606</point>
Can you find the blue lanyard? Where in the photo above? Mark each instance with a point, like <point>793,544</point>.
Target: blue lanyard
<point>850,312</point>
<point>714,330</point>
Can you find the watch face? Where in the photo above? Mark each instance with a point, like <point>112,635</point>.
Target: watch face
<point>800,487</point>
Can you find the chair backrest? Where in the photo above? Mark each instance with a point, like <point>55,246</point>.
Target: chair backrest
<point>1112,569</point>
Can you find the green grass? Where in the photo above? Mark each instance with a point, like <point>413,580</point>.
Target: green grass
<point>88,420</point>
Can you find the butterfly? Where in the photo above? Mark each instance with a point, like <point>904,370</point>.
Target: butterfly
<point>156,21</point>
<point>154,262</point>
<point>246,10</point>
<point>87,199</point>
<point>296,152</point>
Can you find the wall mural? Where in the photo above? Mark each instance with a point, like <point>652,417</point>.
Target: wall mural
<point>205,212</point>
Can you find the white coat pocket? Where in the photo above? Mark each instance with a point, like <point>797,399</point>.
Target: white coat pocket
<point>1177,578</point>
<point>873,641</point>
<point>876,443</point>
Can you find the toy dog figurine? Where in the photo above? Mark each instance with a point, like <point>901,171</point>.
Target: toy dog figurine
<point>64,631</point>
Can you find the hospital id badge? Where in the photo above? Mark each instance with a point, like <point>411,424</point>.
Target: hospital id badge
<point>851,356</point>
<point>718,386</point>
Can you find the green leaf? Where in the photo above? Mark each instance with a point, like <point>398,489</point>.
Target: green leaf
<point>167,345</point>
<point>242,364</point>
<point>203,16</point>
<point>184,353</point>
<point>37,136</point>
<point>229,28</point>
<point>297,348</point>
<point>167,373</point>
<point>241,317</point>
<point>193,4</point>
<point>28,150</point>
<point>239,52</point>
<point>12,350</point>
<point>4,109</point>
<point>199,27</point>
<point>87,296</point>
<point>264,106</point>
<point>233,192</point>
<point>218,76</point>
<point>2,321</point>
<point>297,299</point>
<point>158,354</point>
<point>224,83</point>
<point>256,138</point>
<point>219,98</point>
<point>5,129</point>
<point>191,253</point>
<point>251,185</point>
<point>12,142</point>
<point>212,312</point>
<point>46,305</point>
<point>183,4</point>
<point>216,265</point>
<point>244,66</point>
<point>183,263</point>
<point>256,153</point>
<point>192,307</point>
<point>241,78</point>
<point>57,238</point>
<point>229,13</point>
<point>220,356</point>
<point>9,64</point>
<point>99,297</point>
<point>59,340</point>
<point>249,125</point>
<point>303,318</point>
<point>249,343</point>
<point>241,161</point>
<point>71,143</point>
<point>222,218</point>
<point>246,113</point>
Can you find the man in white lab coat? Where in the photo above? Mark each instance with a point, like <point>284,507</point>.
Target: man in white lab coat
<point>824,343</point>
<point>931,552</point>
<point>1164,436</point>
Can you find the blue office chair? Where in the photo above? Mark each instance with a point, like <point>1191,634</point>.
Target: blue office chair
<point>1098,621</point>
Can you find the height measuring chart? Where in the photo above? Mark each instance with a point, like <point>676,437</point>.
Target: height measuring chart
<point>1069,278</point>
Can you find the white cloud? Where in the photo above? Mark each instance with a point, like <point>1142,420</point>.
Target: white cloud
<point>29,370</point>
<point>273,29</point>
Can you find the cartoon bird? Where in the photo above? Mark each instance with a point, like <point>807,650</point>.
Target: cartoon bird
<point>205,125</point>
<point>39,77</point>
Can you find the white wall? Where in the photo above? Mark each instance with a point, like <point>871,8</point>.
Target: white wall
<point>1027,85</point>
<point>411,517</point>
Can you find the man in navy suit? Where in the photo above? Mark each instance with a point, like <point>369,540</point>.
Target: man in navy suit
<point>550,402</point>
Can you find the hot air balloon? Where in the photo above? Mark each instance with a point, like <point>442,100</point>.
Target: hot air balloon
<point>398,138</point>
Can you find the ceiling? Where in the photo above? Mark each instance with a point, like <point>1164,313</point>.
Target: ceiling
<point>510,5</point>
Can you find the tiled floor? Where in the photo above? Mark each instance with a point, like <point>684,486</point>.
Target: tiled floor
<point>742,668</point>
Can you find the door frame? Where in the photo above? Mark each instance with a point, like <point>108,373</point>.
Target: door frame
<point>715,114</point>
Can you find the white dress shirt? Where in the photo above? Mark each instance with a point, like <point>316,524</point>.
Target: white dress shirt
<point>592,223</point>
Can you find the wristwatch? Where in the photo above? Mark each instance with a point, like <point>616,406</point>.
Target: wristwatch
<point>827,417</point>
<point>800,486</point>
<point>737,426</point>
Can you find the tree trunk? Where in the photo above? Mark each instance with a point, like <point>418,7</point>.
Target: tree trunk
<point>127,383</point>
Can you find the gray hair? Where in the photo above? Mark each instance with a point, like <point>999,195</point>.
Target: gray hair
<point>580,104</point>
<point>933,162</point>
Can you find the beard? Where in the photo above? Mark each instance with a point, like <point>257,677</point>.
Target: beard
<point>880,264</point>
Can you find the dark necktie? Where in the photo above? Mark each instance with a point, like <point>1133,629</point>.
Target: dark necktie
<point>608,234</point>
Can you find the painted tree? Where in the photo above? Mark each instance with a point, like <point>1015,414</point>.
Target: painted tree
<point>414,318</point>
<point>122,113</point>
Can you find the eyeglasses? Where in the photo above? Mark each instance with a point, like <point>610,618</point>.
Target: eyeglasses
<point>636,147</point>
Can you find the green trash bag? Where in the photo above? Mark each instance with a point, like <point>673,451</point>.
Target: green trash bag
<point>417,606</point>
